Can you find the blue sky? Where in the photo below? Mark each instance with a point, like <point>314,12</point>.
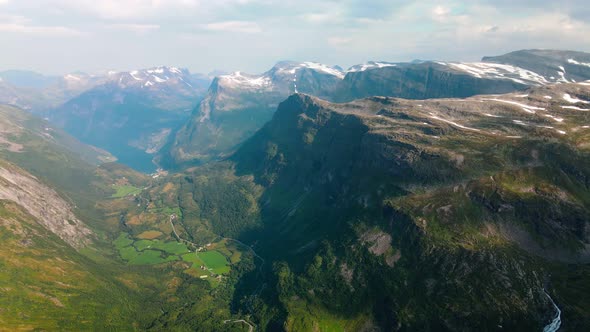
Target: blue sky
<point>58,36</point>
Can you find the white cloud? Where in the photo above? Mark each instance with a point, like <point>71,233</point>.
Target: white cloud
<point>136,28</point>
<point>234,26</point>
<point>322,18</point>
<point>345,32</point>
<point>339,41</point>
<point>39,30</point>
<point>441,11</point>
<point>125,9</point>
<point>22,25</point>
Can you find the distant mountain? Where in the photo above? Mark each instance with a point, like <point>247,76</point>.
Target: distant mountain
<point>131,113</point>
<point>553,65</point>
<point>435,79</point>
<point>238,104</point>
<point>426,80</point>
<point>38,93</point>
<point>27,79</point>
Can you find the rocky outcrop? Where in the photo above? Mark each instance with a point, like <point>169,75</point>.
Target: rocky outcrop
<point>42,202</point>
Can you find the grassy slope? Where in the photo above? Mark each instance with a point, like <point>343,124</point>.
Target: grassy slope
<point>92,289</point>
<point>48,285</point>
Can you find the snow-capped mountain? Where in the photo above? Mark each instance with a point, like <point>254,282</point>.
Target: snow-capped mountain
<point>154,78</point>
<point>555,66</point>
<point>370,65</point>
<point>285,76</point>
<point>437,79</point>
<point>130,113</point>
<point>238,104</point>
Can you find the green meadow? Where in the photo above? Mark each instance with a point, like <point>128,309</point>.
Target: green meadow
<point>125,190</point>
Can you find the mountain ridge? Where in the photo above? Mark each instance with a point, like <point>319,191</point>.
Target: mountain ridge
<point>248,101</point>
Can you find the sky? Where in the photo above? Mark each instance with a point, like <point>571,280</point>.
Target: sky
<point>59,36</point>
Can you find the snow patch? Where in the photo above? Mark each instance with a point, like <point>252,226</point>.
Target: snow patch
<point>185,82</point>
<point>498,71</point>
<point>239,79</point>
<point>452,123</point>
<point>573,100</point>
<point>159,70</point>
<point>572,61</point>
<point>323,68</point>
<point>133,74</point>
<point>575,108</point>
<point>521,123</point>
<point>562,77</point>
<point>556,119</point>
<point>526,108</point>
<point>158,79</point>
<point>370,65</point>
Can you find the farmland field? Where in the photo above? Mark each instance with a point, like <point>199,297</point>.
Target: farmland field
<point>148,252</point>
<point>215,261</point>
<point>149,235</point>
<point>125,190</point>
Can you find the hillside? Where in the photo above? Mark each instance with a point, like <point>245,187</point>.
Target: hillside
<point>392,214</point>
<point>60,221</point>
<point>480,203</point>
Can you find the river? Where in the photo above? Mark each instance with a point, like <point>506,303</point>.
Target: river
<point>556,322</point>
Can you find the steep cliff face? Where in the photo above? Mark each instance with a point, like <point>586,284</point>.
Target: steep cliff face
<point>475,202</point>
<point>42,202</point>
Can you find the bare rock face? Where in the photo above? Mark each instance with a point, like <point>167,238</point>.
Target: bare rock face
<point>379,242</point>
<point>42,202</point>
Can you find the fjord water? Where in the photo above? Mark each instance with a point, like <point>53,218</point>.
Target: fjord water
<point>137,159</point>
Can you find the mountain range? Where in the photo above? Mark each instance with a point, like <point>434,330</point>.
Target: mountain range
<point>237,105</point>
<point>422,196</point>
<point>130,114</point>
